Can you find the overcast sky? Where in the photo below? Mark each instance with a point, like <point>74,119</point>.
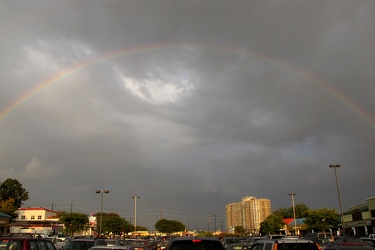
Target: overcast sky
<point>190,105</point>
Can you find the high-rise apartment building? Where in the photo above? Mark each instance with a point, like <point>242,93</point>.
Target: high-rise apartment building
<point>248,213</point>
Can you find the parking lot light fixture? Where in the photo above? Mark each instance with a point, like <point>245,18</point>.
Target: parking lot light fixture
<point>135,211</point>
<point>294,213</point>
<point>335,166</point>
<point>102,192</point>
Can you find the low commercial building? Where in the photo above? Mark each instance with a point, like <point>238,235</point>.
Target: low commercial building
<point>36,220</point>
<point>359,220</point>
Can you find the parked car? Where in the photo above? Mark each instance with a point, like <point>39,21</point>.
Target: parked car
<point>252,240</point>
<point>144,242</point>
<point>124,247</point>
<point>322,235</point>
<point>370,239</point>
<point>58,242</point>
<point>84,243</point>
<point>349,246</point>
<point>161,245</point>
<point>370,236</point>
<point>239,246</point>
<point>190,243</point>
<point>230,240</point>
<point>285,244</point>
<point>275,236</point>
<point>114,242</point>
<point>23,243</point>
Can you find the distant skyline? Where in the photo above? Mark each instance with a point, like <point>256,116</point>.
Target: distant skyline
<point>190,105</point>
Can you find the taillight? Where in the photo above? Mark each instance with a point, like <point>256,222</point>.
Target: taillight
<point>196,241</point>
<point>275,246</point>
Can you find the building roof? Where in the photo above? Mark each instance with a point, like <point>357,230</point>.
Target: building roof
<point>3,215</point>
<point>361,208</point>
<point>290,221</point>
<point>37,208</point>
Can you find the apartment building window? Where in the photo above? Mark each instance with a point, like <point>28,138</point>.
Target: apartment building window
<point>32,217</point>
<point>23,217</point>
<point>39,217</point>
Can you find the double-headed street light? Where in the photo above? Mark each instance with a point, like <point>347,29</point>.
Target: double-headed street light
<point>294,213</point>
<point>334,166</point>
<point>135,211</point>
<point>101,207</point>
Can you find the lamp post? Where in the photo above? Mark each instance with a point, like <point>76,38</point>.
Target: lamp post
<point>135,212</point>
<point>334,166</point>
<point>101,208</point>
<point>294,213</point>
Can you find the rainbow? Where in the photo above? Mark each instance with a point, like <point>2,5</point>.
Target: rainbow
<point>65,73</point>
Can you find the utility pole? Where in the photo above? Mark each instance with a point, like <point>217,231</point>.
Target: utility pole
<point>334,166</point>
<point>215,221</point>
<point>294,213</point>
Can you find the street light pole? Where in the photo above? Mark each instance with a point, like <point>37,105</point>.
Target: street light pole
<point>135,211</point>
<point>102,192</point>
<point>334,166</point>
<point>294,213</point>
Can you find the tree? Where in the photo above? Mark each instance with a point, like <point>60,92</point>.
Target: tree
<point>112,222</point>
<point>12,196</point>
<point>169,226</point>
<point>239,230</point>
<point>272,224</point>
<point>73,221</point>
<point>322,219</point>
<point>300,209</point>
<point>7,207</point>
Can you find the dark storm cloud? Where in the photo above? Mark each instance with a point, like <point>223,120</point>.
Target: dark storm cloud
<point>191,105</point>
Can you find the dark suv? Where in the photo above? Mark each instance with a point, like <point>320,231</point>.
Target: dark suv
<point>285,244</point>
<point>24,243</point>
<point>190,243</point>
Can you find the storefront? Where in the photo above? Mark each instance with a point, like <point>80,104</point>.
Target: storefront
<point>4,223</point>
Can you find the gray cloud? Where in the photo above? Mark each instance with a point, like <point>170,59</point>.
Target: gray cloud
<point>190,105</point>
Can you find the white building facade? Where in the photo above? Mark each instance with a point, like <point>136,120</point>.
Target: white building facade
<point>36,220</point>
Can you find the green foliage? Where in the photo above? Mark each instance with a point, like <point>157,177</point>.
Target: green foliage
<point>112,222</point>
<point>12,196</point>
<point>302,211</point>
<point>239,230</point>
<point>205,234</point>
<point>321,219</point>
<point>272,224</point>
<point>169,226</point>
<point>73,221</point>
<point>8,207</point>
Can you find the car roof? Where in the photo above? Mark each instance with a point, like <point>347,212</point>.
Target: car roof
<point>117,247</point>
<point>83,239</point>
<point>195,238</point>
<point>286,240</point>
<point>22,238</point>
